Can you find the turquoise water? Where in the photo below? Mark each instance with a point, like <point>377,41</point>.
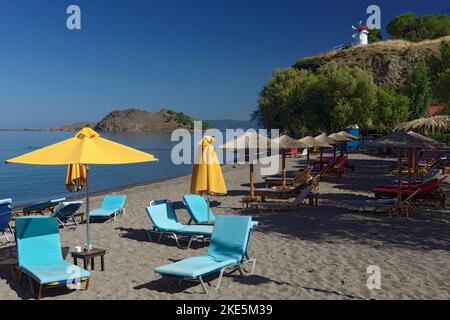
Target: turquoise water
<point>28,183</point>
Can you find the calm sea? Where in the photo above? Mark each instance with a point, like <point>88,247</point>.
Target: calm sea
<point>28,183</point>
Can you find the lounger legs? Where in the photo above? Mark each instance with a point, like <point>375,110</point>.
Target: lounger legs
<point>203,284</point>
<point>41,287</point>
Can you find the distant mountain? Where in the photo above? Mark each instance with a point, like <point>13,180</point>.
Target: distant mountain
<point>232,124</point>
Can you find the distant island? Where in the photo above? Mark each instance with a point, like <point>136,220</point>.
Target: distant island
<point>141,121</point>
<point>137,121</point>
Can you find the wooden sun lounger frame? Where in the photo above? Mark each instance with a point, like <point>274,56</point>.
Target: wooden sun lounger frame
<point>289,194</point>
<point>41,287</point>
<point>407,205</point>
<point>299,178</point>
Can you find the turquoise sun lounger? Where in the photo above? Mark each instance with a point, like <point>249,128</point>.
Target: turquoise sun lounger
<point>41,207</point>
<point>165,222</point>
<point>65,213</point>
<point>227,249</point>
<point>112,206</point>
<point>198,209</point>
<point>39,254</point>
<point>5,218</point>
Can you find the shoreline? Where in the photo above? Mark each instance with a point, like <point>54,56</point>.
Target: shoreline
<point>111,190</point>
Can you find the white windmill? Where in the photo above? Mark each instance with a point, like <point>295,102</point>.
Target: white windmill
<point>361,34</point>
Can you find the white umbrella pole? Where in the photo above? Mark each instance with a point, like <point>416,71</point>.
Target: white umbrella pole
<point>88,229</point>
<point>205,196</point>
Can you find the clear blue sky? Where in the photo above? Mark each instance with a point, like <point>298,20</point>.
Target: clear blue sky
<point>206,58</point>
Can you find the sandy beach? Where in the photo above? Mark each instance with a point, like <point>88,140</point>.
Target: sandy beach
<point>316,252</point>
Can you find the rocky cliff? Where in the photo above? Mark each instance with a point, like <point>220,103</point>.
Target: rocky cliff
<point>388,61</point>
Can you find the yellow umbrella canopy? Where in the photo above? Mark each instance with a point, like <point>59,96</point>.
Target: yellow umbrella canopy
<point>86,147</point>
<point>75,177</point>
<point>207,177</point>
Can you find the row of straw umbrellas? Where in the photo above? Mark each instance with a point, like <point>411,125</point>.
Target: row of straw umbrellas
<point>252,142</point>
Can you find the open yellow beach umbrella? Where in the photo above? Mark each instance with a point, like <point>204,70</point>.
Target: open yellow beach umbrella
<point>75,177</point>
<point>207,177</point>
<point>86,147</point>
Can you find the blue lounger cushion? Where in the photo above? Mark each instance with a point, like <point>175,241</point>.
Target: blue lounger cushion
<point>193,267</point>
<point>102,213</point>
<point>164,219</point>
<point>39,251</point>
<point>228,246</point>
<point>60,272</point>
<point>112,204</point>
<point>198,208</point>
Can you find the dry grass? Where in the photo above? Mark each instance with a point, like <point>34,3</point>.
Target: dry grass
<point>394,46</point>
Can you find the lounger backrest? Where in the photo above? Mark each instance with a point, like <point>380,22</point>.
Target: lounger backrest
<point>302,195</point>
<point>197,208</point>
<point>112,202</point>
<point>229,238</point>
<point>5,212</point>
<point>67,209</point>
<point>38,241</point>
<point>163,216</point>
<point>43,205</point>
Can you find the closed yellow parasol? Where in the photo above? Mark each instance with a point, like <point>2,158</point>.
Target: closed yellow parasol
<point>75,177</point>
<point>207,177</point>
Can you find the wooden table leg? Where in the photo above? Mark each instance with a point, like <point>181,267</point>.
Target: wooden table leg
<point>86,263</point>
<point>92,263</point>
<point>75,261</point>
<point>102,260</point>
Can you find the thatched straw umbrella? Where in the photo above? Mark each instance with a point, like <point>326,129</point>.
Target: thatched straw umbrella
<point>427,125</point>
<point>251,143</point>
<point>340,140</point>
<point>348,135</point>
<point>314,143</point>
<point>324,139</point>
<point>285,143</point>
<point>404,140</point>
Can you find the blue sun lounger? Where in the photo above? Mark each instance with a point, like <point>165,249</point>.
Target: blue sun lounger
<point>227,249</point>
<point>65,213</point>
<point>40,257</point>
<point>112,206</point>
<point>198,209</point>
<point>5,217</point>
<point>42,206</point>
<point>165,222</point>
